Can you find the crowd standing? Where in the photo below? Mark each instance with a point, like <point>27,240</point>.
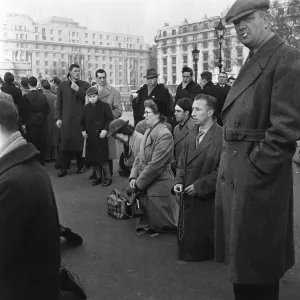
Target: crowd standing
<point>213,163</point>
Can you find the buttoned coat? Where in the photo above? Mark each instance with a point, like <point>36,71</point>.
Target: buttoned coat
<point>198,166</point>
<point>152,169</point>
<point>254,197</point>
<point>69,109</point>
<point>96,117</point>
<point>179,138</point>
<point>190,91</point>
<point>112,96</point>
<point>134,146</point>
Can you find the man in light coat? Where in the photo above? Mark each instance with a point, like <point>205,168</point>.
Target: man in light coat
<point>254,197</point>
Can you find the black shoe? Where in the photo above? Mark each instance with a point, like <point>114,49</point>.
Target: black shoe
<point>62,173</point>
<point>107,182</point>
<point>97,181</point>
<point>80,171</point>
<point>72,238</point>
<point>57,166</point>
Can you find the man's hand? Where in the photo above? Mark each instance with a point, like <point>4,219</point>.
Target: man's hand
<point>190,190</point>
<point>59,123</point>
<point>132,183</point>
<point>178,188</point>
<point>74,86</point>
<point>84,134</point>
<point>103,134</point>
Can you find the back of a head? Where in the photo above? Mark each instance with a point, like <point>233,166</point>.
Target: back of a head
<point>24,82</point>
<point>32,81</point>
<point>206,75</point>
<point>9,78</point>
<point>9,117</point>
<point>45,84</point>
<point>56,80</point>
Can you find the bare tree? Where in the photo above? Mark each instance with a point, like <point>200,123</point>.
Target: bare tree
<point>286,20</point>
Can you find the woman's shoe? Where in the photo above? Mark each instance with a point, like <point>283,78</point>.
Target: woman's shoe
<point>107,182</point>
<point>97,181</point>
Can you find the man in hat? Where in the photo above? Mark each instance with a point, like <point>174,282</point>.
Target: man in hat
<point>254,197</point>
<point>152,90</point>
<point>183,111</point>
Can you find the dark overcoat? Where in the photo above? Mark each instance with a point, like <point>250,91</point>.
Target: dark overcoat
<point>198,166</point>
<point>190,91</point>
<point>52,129</point>
<point>152,169</point>
<point>29,228</point>
<point>96,117</point>
<point>254,197</point>
<point>69,109</point>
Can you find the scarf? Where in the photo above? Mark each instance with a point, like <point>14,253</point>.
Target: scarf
<point>13,142</point>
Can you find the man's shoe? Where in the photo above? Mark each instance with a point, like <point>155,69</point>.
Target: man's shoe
<point>57,166</point>
<point>107,182</point>
<point>62,173</point>
<point>97,181</point>
<point>72,238</point>
<point>80,171</point>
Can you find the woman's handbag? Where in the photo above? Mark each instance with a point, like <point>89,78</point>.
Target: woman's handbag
<point>136,209</point>
<point>118,206</point>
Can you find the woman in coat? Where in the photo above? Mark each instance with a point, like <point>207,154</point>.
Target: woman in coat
<point>151,174</point>
<point>96,118</point>
<point>124,132</point>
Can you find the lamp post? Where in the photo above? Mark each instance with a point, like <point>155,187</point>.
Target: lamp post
<point>195,53</point>
<point>220,31</point>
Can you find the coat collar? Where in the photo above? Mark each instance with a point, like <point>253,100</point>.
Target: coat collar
<point>105,91</point>
<point>17,156</point>
<point>252,70</point>
<point>94,110</point>
<point>195,152</point>
<point>180,134</point>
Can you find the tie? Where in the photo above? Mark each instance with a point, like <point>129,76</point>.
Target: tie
<point>201,132</point>
<point>251,53</point>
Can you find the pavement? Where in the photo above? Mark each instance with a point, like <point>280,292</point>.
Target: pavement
<point>115,264</point>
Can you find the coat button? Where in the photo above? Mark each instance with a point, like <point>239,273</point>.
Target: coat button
<point>237,123</point>
<point>224,149</point>
<point>234,153</point>
<point>222,178</point>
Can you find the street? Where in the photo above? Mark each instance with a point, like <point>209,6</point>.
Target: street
<point>115,263</point>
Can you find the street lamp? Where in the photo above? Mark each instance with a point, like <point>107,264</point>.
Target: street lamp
<point>220,31</point>
<point>195,53</point>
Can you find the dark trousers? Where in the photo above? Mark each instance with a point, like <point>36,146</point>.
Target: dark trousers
<point>67,156</point>
<point>256,292</point>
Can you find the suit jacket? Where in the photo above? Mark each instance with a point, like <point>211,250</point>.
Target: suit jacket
<point>198,166</point>
<point>254,197</point>
<point>29,228</point>
<point>190,91</point>
<point>226,88</point>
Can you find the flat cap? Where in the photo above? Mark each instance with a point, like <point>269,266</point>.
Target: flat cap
<point>242,8</point>
<point>92,91</point>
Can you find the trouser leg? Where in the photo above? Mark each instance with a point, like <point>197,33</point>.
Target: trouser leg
<point>106,171</point>
<point>256,292</point>
<point>111,167</point>
<point>98,171</point>
<point>66,157</point>
<point>79,160</point>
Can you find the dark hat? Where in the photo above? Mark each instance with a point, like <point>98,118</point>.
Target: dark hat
<point>162,106</point>
<point>151,73</point>
<point>92,91</point>
<point>185,104</point>
<point>116,125</point>
<point>242,8</point>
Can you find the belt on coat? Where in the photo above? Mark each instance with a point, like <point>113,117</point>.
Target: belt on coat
<point>247,135</point>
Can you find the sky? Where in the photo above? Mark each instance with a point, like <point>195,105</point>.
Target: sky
<point>141,17</point>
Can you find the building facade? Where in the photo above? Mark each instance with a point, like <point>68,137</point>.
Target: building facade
<point>176,43</point>
<point>46,49</point>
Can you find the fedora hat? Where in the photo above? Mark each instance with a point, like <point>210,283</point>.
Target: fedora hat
<point>116,125</point>
<point>151,73</point>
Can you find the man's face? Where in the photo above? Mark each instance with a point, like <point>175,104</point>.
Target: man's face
<point>93,98</point>
<point>252,29</point>
<point>75,73</point>
<point>203,82</point>
<point>101,79</point>
<point>186,77</point>
<point>150,117</point>
<point>222,78</point>
<point>179,114</point>
<point>230,82</point>
<point>201,112</point>
<point>152,81</point>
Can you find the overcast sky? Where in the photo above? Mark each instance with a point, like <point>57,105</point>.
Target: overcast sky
<point>142,17</point>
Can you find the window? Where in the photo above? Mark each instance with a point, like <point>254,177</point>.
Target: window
<point>46,63</point>
<point>107,44</point>
<point>240,62</point>
<point>62,48</point>
<point>46,54</point>
<point>38,71</point>
<point>43,31</point>
<point>86,42</point>
<point>164,42</point>
<point>36,37</point>
<point>205,67</point>
<point>110,59</point>
<point>4,26</point>
<point>185,59</point>
<point>205,44</point>
<point>228,64</point>
<point>20,28</point>
<point>205,35</point>
<point>184,30</point>
<point>184,39</point>
<point>17,36</point>
<point>165,71</point>
<point>54,64</point>
<point>195,27</point>
<point>21,36</point>
<point>137,40</point>
<point>36,29</point>
<point>120,45</point>
<point>45,47</point>
<point>103,66</point>
<point>173,41</point>
<point>37,54</point>
<point>173,69</point>
<point>164,61</point>
<point>60,39</point>
<point>173,49</point>
<point>59,32</point>
<point>63,72</point>
<point>164,50</point>
<point>100,36</point>
<point>174,79</point>
<point>90,65</point>
<point>55,72</point>
<point>94,35</point>
<point>239,51</point>
<point>86,35</point>
<point>36,46</point>
<point>173,31</point>
<point>227,43</point>
<point>205,56</point>
<point>216,54</point>
<point>46,71</point>
<point>194,37</point>
<point>216,44</point>
<point>164,33</point>
<point>174,60</point>
<point>54,55</point>
<point>37,62</point>
<point>184,48</point>
<point>227,53</point>
<point>63,64</point>
<point>205,26</point>
<point>52,38</point>
<point>54,48</point>
<point>96,58</point>
<point>51,31</point>
<point>107,37</point>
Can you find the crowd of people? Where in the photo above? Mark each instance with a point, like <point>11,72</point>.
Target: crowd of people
<point>213,163</point>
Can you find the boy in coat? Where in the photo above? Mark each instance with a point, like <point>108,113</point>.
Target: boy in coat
<point>97,116</point>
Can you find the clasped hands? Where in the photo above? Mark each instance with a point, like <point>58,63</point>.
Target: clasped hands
<point>102,134</point>
<point>190,190</point>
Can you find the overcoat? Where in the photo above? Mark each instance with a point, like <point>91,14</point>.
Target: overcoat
<point>52,129</point>
<point>254,197</point>
<point>112,96</point>
<point>96,117</point>
<point>152,169</point>
<point>134,146</point>
<point>198,166</point>
<point>190,91</point>
<point>69,109</point>
<point>179,138</point>
<point>29,228</point>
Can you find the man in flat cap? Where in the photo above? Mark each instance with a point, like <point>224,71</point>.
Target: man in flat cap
<point>254,197</point>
